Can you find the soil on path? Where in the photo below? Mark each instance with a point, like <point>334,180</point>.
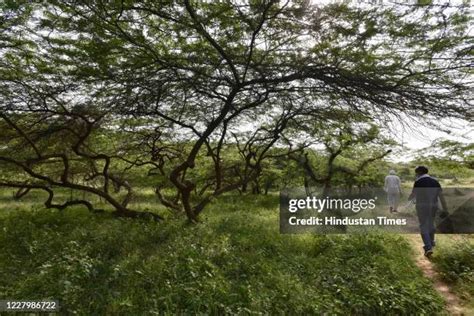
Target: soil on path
<point>453,305</point>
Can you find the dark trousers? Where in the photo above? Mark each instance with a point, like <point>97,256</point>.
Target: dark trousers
<point>426,217</point>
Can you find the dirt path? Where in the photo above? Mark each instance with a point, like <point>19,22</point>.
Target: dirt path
<point>453,305</point>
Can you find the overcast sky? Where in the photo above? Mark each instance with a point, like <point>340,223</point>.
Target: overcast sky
<point>415,136</point>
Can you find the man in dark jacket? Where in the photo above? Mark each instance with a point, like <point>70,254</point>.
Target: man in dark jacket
<point>426,192</point>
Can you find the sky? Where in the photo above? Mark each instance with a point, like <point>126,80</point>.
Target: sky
<point>415,136</point>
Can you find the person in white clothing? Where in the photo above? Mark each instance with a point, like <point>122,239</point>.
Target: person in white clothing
<point>393,188</point>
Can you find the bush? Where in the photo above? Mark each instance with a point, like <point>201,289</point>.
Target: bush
<point>455,262</point>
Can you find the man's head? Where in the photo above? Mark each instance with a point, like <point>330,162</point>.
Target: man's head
<point>421,170</point>
<point>392,172</point>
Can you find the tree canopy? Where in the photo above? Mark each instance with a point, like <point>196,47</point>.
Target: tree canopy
<point>91,91</point>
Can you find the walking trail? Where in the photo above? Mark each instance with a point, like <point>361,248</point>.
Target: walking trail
<point>453,305</point>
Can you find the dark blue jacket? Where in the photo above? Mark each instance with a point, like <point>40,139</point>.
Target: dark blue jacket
<point>426,191</point>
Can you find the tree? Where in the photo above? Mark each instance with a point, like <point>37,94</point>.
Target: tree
<point>448,158</point>
<point>349,147</point>
<point>196,73</point>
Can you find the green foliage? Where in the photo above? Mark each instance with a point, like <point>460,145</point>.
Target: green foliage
<point>448,159</point>
<point>455,261</point>
<point>157,75</point>
<point>235,261</point>
<point>352,153</point>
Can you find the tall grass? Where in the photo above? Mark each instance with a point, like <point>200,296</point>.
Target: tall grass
<point>235,261</point>
<point>455,262</point>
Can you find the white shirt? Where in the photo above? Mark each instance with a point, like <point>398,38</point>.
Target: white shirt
<point>392,184</point>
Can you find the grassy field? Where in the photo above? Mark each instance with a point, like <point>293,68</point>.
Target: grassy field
<point>454,260</point>
<point>235,261</point>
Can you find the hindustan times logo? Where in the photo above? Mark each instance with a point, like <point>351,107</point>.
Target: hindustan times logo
<point>319,205</point>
